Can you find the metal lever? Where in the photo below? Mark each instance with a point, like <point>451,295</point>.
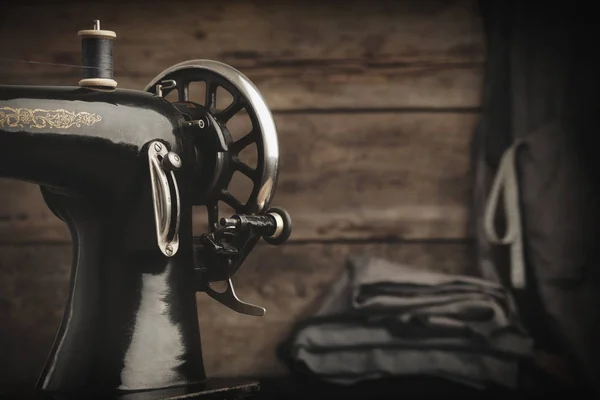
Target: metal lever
<point>229,299</point>
<point>165,195</point>
<point>219,254</point>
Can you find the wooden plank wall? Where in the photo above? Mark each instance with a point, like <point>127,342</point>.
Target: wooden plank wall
<point>375,102</point>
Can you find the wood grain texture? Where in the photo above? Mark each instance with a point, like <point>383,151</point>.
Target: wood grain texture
<point>323,87</point>
<point>289,281</point>
<point>301,55</point>
<point>250,33</point>
<point>343,176</point>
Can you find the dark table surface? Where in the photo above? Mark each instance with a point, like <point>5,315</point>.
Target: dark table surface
<point>288,388</point>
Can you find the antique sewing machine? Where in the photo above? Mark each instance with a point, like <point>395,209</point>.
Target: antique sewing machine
<point>123,169</point>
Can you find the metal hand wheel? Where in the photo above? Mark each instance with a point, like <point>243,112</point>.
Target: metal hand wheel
<point>227,161</point>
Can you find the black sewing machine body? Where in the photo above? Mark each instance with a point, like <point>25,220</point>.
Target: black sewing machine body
<point>123,169</point>
<point>87,149</point>
<point>71,124</point>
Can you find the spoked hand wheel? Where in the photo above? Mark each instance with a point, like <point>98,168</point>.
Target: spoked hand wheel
<point>226,161</point>
<point>221,252</point>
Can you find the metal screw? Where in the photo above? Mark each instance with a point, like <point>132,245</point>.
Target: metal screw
<point>157,147</point>
<point>169,250</point>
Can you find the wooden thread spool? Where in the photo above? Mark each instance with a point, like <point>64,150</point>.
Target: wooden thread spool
<point>97,57</point>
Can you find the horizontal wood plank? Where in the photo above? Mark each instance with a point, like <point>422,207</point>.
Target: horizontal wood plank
<point>288,281</point>
<point>340,86</point>
<point>342,176</point>
<point>300,55</point>
<point>249,33</point>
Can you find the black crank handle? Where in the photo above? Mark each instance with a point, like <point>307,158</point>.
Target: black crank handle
<point>274,226</point>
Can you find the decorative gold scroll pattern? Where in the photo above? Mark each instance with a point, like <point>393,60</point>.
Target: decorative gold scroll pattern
<point>38,118</point>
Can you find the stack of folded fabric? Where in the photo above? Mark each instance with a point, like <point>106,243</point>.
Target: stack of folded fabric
<point>384,320</point>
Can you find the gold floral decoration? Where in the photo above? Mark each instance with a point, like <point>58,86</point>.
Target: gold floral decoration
<point>38,118</point>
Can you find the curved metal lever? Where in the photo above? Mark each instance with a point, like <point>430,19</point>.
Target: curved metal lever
<point>229,299</point>
<point>165,195</point>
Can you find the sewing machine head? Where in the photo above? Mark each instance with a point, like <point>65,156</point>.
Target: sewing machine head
<point>123,168</point>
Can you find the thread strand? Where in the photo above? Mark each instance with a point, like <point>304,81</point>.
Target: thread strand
<point>13,60</point>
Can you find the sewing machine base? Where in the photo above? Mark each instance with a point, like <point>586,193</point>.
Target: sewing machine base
<point>214,388</point>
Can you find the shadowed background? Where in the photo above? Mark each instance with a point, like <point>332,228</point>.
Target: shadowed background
<point>375,103</point>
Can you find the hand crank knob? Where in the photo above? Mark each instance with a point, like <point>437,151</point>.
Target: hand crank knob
<point>283,228</point>
<point>171,161</point>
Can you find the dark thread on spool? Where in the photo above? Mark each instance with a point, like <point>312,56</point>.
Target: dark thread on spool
<point>97,54</point>
<point>97,57</point>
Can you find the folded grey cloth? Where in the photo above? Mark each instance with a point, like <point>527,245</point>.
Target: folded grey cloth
<point>383,319</point>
